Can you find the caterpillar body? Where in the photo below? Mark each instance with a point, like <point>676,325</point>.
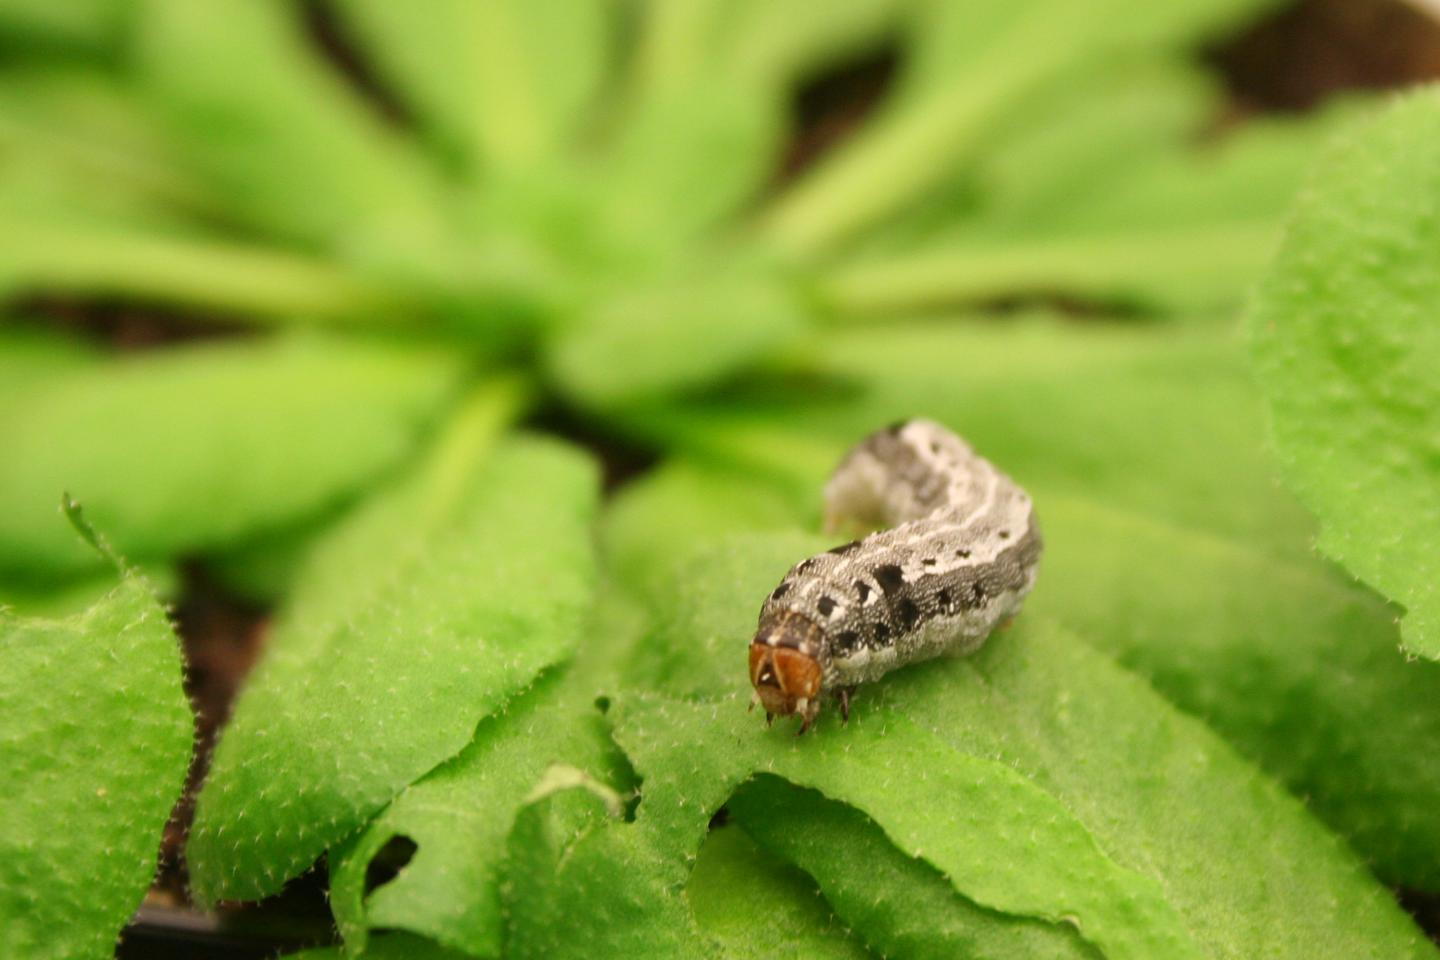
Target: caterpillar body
<point>960,553</point>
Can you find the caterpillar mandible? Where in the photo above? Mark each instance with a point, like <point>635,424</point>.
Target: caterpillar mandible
<point>961,552</point>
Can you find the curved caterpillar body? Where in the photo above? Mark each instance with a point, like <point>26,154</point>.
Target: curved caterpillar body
<point>961,552</point>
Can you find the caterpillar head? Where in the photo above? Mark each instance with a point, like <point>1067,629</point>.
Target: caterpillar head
<point>785,667</point>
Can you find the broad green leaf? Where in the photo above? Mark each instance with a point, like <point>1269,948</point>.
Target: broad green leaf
<point>999,838</point>
<point>756,906</point>
<point>1032,722</point>
<point>423,613</point>
<point>971,64</point>
<point>508,81</point>
<point>427,57</point>
<point>1346,349</point>
<point>96,741</point>
<point>682,329</point>
<point>298,152</point>
<point>685,159</point>
<point>1178,227</point>
<point>1292,664</point>
<point>195,447</point>
<point>1156,267</point>
<point>581,885</point>
<point>459,816</point>
<point>903,906</point>
<point>50,254</point>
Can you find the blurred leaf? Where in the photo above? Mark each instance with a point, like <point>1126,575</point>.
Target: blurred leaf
<point>96,743</point>
<point>295,150</point>
<point>508,80</point>
<point>75,595</point>
<point>756,906</point>
<point>685,159</point>
<point>648,522</point>
<point>903,906</point>
<point>79,26</point>
<point>47,254</point>
<point>1185,228</point>
<point>688,327</point>
<point>199,446</point>
<point>1164,267</point>
<point>1086,128</point>
<point>970,64</point>
<point>1347,350</point>
<point>481,564</point>
<point>30,353</point>
<point>76,141</point>
<point>942,756</point>
<point>459,815</point>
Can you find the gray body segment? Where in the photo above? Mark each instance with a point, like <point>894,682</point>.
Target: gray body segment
<point>960,554</point>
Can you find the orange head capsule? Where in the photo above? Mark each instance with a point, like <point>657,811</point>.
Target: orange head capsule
<point>785,667</point>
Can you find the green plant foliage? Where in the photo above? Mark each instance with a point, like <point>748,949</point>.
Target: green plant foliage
<point>580,884</point>
<point>482,563</point>
<point>1346,350</point>
<point>756,905</point>
<point>905,907</point>
<point>1294,665</point>
<point>1196,741</point>
<point>96,742</point>
<point>1189,567</point>
<point>1031,720</point>
<point>272,431</point>
<point>459,816</point>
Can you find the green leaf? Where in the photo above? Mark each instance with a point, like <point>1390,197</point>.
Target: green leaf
<point>1127,841</point>
<point>96,742</point>
<point>459,816</point>
<point>298,152</point>
<point>972,64</point>
<point>1346,351</point>
<point>687,327</point>
<point>649,522</point>
<point>1177,227</point>
<point>45,253</point>
<point>581,885</point>
<point>508,81</point>
<point>756,906</point>
<point>195,447</point>
<point>903,906</point>
<point>1293,665</point>
<point>420,615</point>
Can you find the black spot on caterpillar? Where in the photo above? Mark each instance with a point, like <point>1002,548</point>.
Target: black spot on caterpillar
<point>960,554</point>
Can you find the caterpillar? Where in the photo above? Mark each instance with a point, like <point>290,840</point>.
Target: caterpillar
<point>960,554</point>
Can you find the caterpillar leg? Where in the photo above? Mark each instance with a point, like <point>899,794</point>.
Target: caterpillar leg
<point>808,710</point>
<point>843,695</point>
